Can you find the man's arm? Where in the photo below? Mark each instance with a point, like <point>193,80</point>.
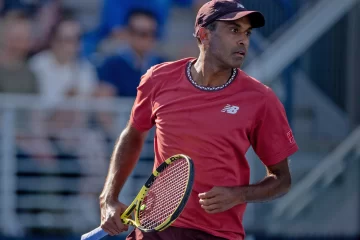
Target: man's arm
<point>275,184</point>
<point>123,160</point>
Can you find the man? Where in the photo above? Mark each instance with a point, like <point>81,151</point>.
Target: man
<point>63,75</point>
<point>212,111</point>
<point>15,39</point>
<point>44,15</point>
<point>16,77</point>
<point>120,74</point>
<point>114,15</point>
<point>60,71</point>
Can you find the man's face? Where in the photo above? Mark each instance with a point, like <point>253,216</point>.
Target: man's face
<point>66,41</point>
<point>142,33</point>
<point>229,42</point>
<point>18,36</point>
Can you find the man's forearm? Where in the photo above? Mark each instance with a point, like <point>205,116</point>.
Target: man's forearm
<point>123,160</point>
<point>275,184</point>
<point>220,199</point>
<point>268,189</point>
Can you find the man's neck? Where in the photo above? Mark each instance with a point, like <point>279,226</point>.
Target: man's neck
<point>139,58</point>
<point>209,73</point>
<point>60,58</point>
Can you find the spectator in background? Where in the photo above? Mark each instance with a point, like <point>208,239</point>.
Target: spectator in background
<point>44,13</point>
<point>114,19</point>
<point>60,71</point>
<point>120,74</point>
<point>16,77</point>
<point>62,75</point>
<point>15,39</point>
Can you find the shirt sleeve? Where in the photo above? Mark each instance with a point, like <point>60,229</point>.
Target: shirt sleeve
<point>142,117</point>
<point>271,137</point>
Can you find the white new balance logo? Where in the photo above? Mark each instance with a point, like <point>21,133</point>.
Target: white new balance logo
<point>230,109</point>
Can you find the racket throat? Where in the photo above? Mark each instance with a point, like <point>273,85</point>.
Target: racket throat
<point>130,222</point>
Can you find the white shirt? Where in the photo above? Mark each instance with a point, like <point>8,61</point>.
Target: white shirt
<point>55,79</point>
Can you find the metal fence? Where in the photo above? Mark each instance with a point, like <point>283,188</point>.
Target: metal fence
<point>54,162</point>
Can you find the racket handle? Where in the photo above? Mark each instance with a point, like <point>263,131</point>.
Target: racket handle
<point>95,234</point>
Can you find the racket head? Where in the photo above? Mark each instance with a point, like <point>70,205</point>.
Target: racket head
<point>165,194</point>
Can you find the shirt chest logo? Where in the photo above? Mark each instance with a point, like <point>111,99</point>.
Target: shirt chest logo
<point>230,109</point>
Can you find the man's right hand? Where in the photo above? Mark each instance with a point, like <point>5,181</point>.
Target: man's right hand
<point>110,217</point>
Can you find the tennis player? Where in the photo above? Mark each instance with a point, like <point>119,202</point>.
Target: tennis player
<point>209,109</point>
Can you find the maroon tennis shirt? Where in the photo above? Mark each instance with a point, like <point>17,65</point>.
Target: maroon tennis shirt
<point>215,127</point>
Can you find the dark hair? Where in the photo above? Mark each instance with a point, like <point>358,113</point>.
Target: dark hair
<point>211,27</point>
<point>141,12</point>
<point>16,15</point>
<point>67,15</point>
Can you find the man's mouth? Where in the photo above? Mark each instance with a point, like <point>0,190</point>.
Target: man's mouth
<point>240,53</point>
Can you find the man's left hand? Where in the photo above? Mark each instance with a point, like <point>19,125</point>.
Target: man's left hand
<point>220,199</point>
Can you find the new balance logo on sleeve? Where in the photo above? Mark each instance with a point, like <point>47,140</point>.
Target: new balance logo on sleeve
<point>230,109</point>
<point>290,137</point>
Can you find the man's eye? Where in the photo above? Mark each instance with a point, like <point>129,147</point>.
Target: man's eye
<point>248,33</point>
<point>234,30</point>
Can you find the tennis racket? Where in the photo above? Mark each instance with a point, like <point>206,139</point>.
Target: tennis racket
<point>161,200</point>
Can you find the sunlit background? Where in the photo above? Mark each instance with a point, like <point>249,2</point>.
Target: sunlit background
<point>68,76</point>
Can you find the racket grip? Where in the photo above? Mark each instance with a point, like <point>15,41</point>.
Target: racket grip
<point>95,234</point>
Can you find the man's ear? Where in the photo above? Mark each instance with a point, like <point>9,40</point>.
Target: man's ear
<point>203,35</point>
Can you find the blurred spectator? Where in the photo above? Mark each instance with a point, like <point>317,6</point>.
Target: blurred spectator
<point>60,71</point>
<point>87,12</point>
<point>17,78</point>
<point>114,18</point>
<point>44,13</point>
<point>120,74</point>
<point>62,75</point>
<point>15,38</point>
<point>115,13</point>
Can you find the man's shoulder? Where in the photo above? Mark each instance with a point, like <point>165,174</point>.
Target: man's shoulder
<point>170,67</point>
<point>40,59</point>
<point>162,73</point>
<point>252,84</point>
<point>265,93</point>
